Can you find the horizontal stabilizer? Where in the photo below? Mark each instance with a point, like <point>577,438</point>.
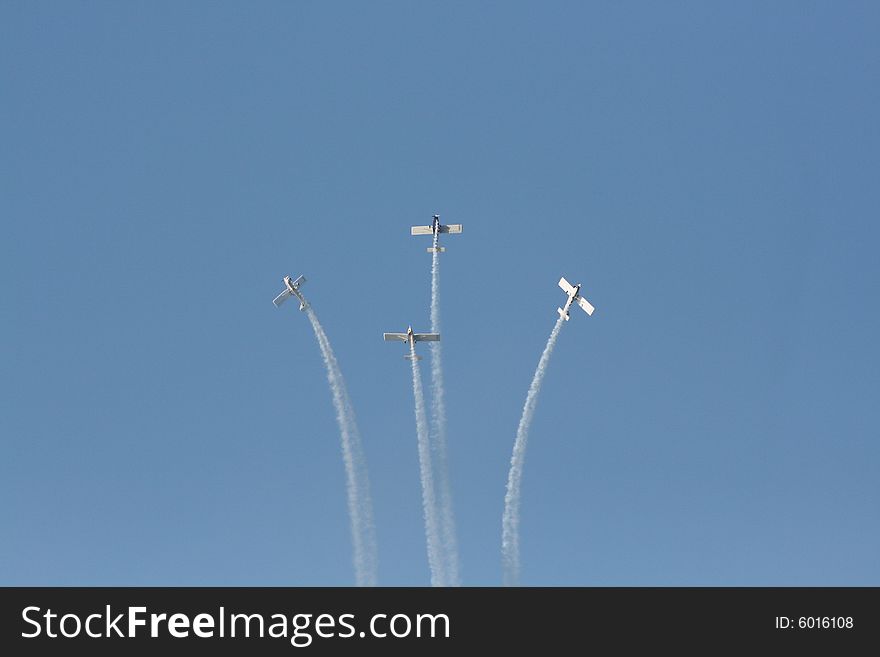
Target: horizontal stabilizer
<point>564,315</point>
<point>421,230</point>
<point>586,305</point>
<point>408,357</point>
<point>281,298</point>
<point>439,249</point>
<point>303,305</point>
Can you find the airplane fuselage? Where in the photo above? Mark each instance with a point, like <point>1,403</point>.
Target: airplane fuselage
<point>291,289</point>
<point>410,338</point>
<point>574,296</point>
<point>435,228</point>
<point>294,290</point>
<point>571,298</point>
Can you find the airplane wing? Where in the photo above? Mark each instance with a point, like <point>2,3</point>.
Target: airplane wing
<point>395,336</point>
<point>451,228</point>
<point>300,280</point>
<point>281,298</point>
<point>586,305</point>
<point>566,286</point>
<point>423,337</point>
<point>421,230</point>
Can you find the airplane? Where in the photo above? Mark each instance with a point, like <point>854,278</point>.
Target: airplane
<point>573,292</point>
<point>411,338</point>
<point>292,289</point>
<point>434,229</point>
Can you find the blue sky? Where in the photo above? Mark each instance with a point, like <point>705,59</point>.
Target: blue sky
<point>708,171</point>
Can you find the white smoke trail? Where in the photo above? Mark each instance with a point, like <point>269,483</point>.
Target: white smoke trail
<point>360,505</point>
<point>438,433</point>
<point>510,520</point>
<point>429,503</point>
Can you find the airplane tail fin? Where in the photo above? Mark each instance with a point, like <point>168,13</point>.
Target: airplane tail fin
<point>564,315</point>
<point>303,305</point>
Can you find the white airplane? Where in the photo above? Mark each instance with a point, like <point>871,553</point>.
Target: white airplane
<point>292,290</point>
<point>411,338</point>
<point>573,292</point>
<point>434,229</point>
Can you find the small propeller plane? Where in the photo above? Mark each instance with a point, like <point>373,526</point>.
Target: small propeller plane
<point>435,229</point>
<point>292,290</point>
<point>573,292</point>
<point>411,338</point>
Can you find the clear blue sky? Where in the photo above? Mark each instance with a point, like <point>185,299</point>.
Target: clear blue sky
<point>708,171</point>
